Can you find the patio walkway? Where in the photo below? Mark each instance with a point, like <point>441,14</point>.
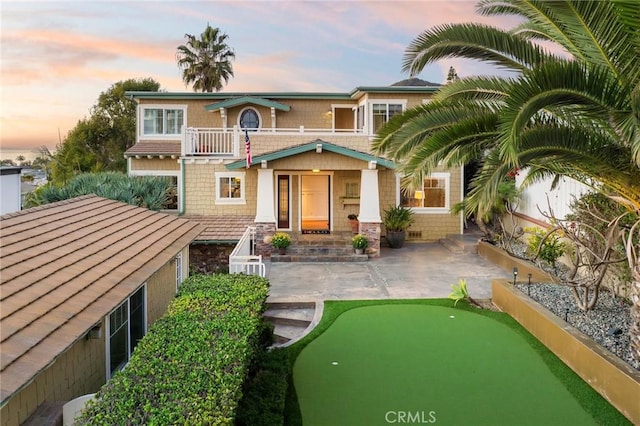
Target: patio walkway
<point>418,270</point>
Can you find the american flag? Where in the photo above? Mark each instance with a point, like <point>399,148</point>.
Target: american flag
<point>247,147</point>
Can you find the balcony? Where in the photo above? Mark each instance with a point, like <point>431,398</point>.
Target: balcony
<point>226,143</point>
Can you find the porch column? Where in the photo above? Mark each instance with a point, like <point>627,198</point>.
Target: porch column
<point>265,217</point>
<point>369,216</point>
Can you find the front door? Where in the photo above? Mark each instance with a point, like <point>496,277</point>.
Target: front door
<point>315,204</point>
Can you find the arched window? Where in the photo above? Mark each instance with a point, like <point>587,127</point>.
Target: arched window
<point>249,119</point>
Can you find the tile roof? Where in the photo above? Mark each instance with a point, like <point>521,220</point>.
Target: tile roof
<point>64,266</point>
<point>222,228</point>
<point>154,148</point>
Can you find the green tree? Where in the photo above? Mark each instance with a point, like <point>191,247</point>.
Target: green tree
<point>452,75</point>
<point>577,116</point>
<point>206,61</point>
<point>98,142</point>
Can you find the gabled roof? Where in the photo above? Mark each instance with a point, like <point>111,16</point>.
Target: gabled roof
<point>312,146</point>
<point>221,228</point>
<point>224,96</point>
<point>65,266</point>
<point>253,100</point>
<point>154,148</point>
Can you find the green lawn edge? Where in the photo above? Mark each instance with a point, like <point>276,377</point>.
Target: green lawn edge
<point>590,400</point>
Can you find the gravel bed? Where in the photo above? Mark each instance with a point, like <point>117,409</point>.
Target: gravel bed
<point>610,313</point>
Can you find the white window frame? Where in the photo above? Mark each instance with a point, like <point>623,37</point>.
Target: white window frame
<point>260,121</point>
<point>242,198</point>
<point>430,210</point>
<point>387,102</point>
<point>179,276</point>
<point>164,107</point>
<point>107,322</point>
<point>171,173</point>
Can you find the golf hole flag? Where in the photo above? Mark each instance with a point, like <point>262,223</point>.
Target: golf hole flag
<point>247,147</point>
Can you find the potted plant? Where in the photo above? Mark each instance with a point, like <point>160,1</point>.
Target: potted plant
<point>359,243</point>
<point>355,224</point>
<point>396,220</point>
<point>281,241</point>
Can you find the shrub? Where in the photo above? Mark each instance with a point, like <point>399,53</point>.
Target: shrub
<point>281,240</point>
<point>548,249</point>
<point>359,242</point>
<point>190,367</point>
<point>265,392</point>
<point>397,218</point>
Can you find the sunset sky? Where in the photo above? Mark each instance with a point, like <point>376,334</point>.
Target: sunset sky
<point>57,57</point>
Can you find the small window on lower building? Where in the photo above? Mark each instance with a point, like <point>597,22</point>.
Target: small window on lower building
<point>230,188</point>
<point>127,326</point>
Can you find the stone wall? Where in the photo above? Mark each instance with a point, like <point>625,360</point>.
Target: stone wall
<point>210,258</point>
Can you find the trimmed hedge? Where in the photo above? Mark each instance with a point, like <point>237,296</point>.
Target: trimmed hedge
<point>190,367</point>
<point>265,392</point>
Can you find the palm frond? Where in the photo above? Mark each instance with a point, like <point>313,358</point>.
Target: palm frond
<point>471,41</point>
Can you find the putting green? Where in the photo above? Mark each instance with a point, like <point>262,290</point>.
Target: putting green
<point>418,364</point>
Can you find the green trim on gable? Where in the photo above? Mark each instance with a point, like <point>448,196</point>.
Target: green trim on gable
<point>311,146</point>
<point>229,103</point>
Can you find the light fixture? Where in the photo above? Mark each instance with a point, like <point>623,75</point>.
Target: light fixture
<point>418,195</point>
<point>318,148</point>
<point>315,170</point>
<point>515,274</point>
<point>94,333</point>
<point>372,165</point>
<point>263,164</point>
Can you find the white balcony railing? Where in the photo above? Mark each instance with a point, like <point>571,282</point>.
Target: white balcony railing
<point>219,142</point>
<point>242,259</point>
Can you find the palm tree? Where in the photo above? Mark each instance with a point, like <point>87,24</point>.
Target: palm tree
<point>206,61</point>
<point>576,116</point>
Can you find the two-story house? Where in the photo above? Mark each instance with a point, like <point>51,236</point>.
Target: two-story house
<point>310,160</point>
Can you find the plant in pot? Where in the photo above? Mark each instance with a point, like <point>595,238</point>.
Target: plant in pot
<point>396,220</point>
<point>281,241</point>
<point>355,224</point>
<point>359,243</point>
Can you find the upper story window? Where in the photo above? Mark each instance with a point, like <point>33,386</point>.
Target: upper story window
<point>383,111</point>
<point>162,121</point>
<point>433,195</point>
<point>230,188</point>
<point>249,119</point>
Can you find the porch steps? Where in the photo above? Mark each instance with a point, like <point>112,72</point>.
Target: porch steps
<point>335,247</point>
<point>463,243</point>
<point>290,320</point>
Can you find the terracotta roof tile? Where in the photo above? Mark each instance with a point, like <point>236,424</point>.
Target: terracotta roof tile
<point>222,228</point>
<point>154,148</point>
<point>65,266</point>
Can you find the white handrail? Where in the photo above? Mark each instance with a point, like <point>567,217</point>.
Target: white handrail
<point>242,259</point>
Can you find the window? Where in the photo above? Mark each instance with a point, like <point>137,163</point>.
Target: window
<point>178,270</point>
<point>382,112</point>
<point>360,124</point>
<point>249,119</point>
<point>126,326</point>
<point>352,189</point>
<point>161,121</point>
<point>173,202</point>
<point>230,188</point>
<point>434,194</point>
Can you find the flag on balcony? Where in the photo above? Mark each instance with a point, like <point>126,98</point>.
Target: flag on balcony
<point>247,147</point>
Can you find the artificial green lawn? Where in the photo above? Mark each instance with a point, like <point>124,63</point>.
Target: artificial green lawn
<point>368,362</point>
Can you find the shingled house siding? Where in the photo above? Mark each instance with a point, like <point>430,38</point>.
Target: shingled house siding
<point>78,371</point>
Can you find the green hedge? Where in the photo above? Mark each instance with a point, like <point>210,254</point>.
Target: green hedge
<point>190,367</point>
